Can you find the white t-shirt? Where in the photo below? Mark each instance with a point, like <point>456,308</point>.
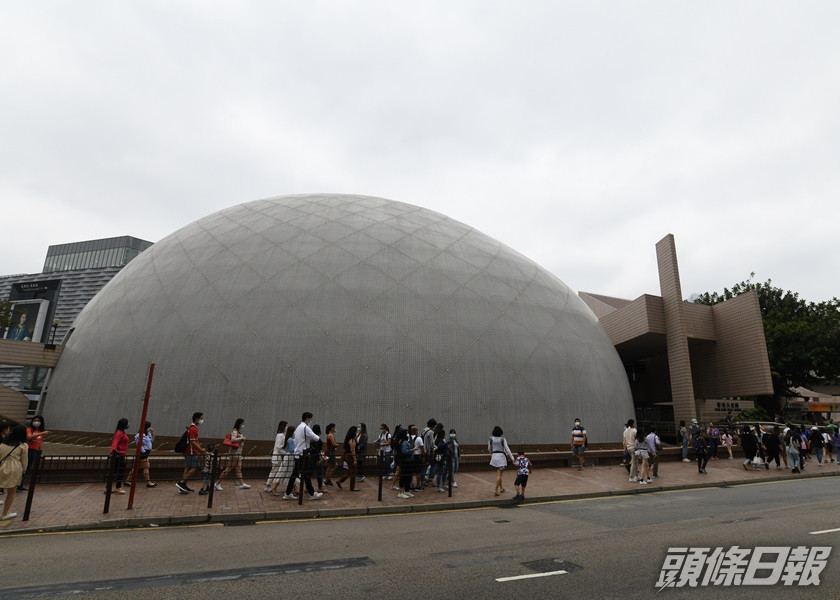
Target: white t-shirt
<point>418,445</point>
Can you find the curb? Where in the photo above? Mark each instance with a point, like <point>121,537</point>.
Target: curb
<point>363,511</point>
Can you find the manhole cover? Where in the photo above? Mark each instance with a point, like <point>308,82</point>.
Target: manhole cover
<point>546,565</point>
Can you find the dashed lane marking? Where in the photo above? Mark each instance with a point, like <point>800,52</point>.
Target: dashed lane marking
<point>530,576</point>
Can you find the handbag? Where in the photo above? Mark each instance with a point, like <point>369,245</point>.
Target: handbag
<point>228,442</point>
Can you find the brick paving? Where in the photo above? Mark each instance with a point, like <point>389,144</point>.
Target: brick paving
<point>72,506</point>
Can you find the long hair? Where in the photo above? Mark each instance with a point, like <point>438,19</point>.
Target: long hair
<point>42,427</point>
<point>290,434</point>
<point>281,426</point>
<point>362,429</point>
<point>122,424</point>
<point>16,437</point>
<point>351,435</point>
<point>238,423</point>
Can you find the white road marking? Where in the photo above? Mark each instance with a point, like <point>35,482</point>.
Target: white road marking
<point>825,531</point>
<point>530,576</point>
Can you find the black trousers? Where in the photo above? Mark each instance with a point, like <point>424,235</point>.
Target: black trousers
<point>702,460</point>
<point>296,472</point>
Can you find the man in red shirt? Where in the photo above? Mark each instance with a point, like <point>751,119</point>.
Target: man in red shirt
<point>191,454</point>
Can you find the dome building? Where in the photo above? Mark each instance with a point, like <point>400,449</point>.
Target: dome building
<point>351,307</point>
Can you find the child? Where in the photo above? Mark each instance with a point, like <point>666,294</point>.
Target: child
<point>523,469</point>
<point>727,442</point>
<point>206,469</point>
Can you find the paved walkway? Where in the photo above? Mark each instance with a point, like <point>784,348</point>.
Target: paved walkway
<point>68,507</point>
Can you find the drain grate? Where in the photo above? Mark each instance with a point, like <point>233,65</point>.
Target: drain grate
<point>547,565</point>
<point>239,523</point>
<point>501,521</point>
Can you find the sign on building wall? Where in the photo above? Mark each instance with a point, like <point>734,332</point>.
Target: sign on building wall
<point>29,318</point>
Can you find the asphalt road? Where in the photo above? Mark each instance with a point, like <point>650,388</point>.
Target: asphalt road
<point>609,548</point>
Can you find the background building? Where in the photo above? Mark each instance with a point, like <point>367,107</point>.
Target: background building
<point>352,307</point>
<point>686,360</point>
<point>73,274</point>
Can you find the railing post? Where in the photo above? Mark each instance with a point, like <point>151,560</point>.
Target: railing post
<point>449,475</point>
<point>214,465</point>
<point>112,472</point>
<point>381,470</point>
<point>33,480</point>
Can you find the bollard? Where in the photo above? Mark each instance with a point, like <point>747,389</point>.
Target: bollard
<point>112,473</point>
<point>214,465</point>
<point>33,480</point>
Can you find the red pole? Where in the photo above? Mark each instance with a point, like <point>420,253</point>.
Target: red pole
<point>140,437</point>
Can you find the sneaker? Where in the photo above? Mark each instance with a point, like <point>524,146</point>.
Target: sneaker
<point>644,482</point>
<point>395,488</point>
<point>289,497</point>
<point>315,496</point>
<point>189,489</point>
<point>441,490</point>
<point>648,480</point>
<point>633,479</point>
<point>656,476</point>
<point>119,491</point>
<point>454,484</point>
<point>362,478</point>
<point>203,492</point>
<point>267,489</point>
<point>328,482</point>
<point>8,517</point>
<point>182,487</point>
<point>409,494</point>
<point>686,460</point>
<point>244,486</point>
<point>403,495</point>
<point>218,487</point>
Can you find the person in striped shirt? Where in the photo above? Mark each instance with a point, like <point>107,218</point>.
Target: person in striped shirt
<point>578,442</point>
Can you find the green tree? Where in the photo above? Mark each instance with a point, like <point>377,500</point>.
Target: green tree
<point>803,338</point>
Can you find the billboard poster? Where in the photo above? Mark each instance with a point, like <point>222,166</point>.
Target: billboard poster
<point>28,320</point>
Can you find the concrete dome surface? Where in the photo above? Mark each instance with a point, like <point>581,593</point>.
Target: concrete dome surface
<point>354,308</point>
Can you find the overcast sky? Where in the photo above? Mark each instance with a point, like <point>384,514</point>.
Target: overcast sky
<point>578,133</point>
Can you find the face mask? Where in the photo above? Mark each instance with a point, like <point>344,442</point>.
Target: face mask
<point>577,423</point>
<point>452,436</point>
<point>36,424</point>
<point>201,421</point>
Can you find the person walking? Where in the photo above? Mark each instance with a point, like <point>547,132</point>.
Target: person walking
<point>34,437</point>
<point>578,443</point>
<point>14,457</point>
<point>654,447</point>
<point>235,443</point>
<point>683,433</point>
<point>523,470</point>
<point>145,450</point>
<point>350,458</point>
<point>119,446</point>
<point>629,441</point>
<point>361,449</point>
<point>455,453</point>
<point>726,440</point>
<point>700,446</point>
<point>316,458</point>
<point>330,448</point>
<point>773,447</point>
<point>303,437</point>
<point>191,454</point>
<point>792,442</point>
<point>499,454</point>
<point>287,465</point>
<point>276,456</point>
<point>829,447</point>
<point>817,444</point>
<point>643,453</point>
<point>748,444</point>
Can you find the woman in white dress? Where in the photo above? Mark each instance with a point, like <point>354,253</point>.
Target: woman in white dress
<point>499,454</point>
<point>276,456</point>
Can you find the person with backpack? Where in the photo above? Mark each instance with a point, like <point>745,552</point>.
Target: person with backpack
<point>383,450</point>
<point>428,435</point>
<point>700,446</point>
<point>499,454</point>
<point>772,447</point>
<point>750,447</point>
<point>192,450</point>
<point>404,454</point>
<point>817,444</point>
<point>792,442</point>
<point>303,437</point>
<point>441,459</point>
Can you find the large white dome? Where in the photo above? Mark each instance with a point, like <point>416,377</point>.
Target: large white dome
<point>351,307</point>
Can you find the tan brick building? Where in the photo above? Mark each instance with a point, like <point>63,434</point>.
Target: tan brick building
<point>686,360</point>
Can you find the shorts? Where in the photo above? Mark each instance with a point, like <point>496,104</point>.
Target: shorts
<point>578,450</point>
<point>521,480</point>
<point>331,458</point>
<point>191,461</point>
<point>144,455</point>
<point>207,479</point>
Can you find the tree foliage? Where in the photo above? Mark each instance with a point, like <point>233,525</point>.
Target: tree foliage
<point>803,338</point>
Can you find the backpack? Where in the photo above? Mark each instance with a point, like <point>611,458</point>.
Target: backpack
<point>406,447</point>
<point>182,444</point>
<point>441,450</point>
